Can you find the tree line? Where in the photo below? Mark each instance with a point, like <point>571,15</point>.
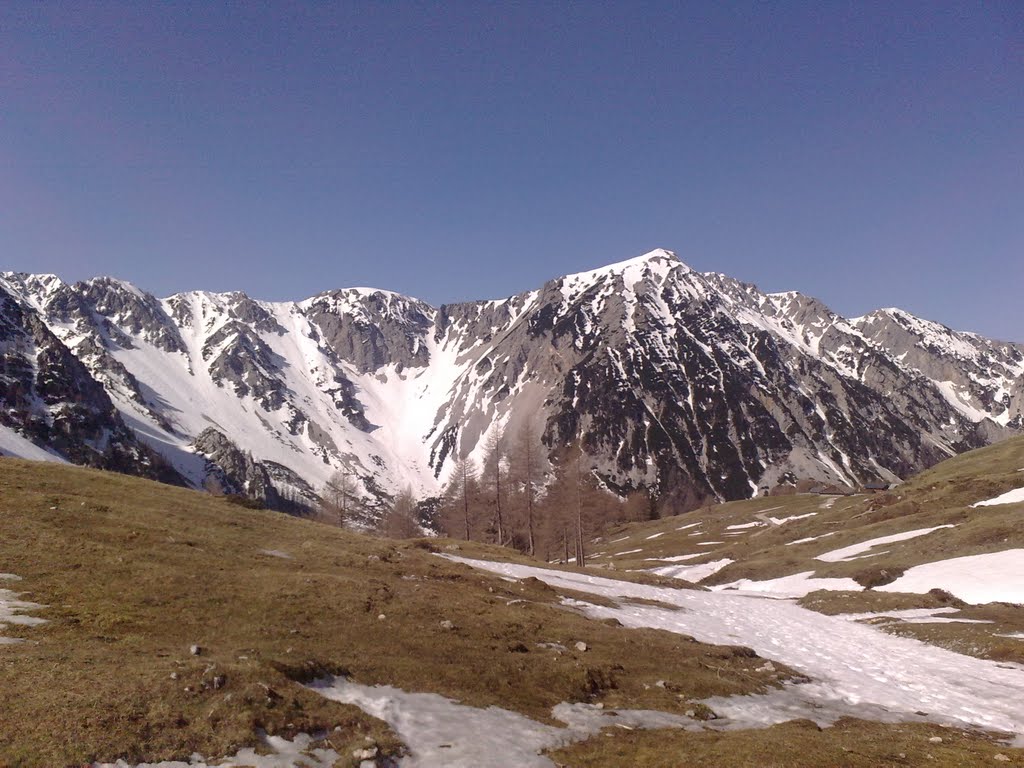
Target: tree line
<point>515,496</point>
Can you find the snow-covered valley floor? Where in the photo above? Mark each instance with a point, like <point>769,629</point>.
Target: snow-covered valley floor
<point>855,669</point>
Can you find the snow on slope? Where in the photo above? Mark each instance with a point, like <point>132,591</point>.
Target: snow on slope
<point>852,666</point>
<point>13,444</point>
<point>692,573</point>
<point>679,345</point>
<point>1016,496</point>
<point>853,551</point>
<point>988,578</point>
<point>786,587</point>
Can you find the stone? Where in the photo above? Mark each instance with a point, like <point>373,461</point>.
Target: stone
<point>1000,757</point>
<point>195,650</point>
<point>364,754</point>
<point>446,624</point>
<point>935,740</point>
<point>580,646</point>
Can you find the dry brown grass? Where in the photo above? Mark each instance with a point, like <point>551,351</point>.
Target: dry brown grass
<point>797,744</point>
<point>133,573</point>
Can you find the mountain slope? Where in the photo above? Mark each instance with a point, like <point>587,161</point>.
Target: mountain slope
<point>695,385</point>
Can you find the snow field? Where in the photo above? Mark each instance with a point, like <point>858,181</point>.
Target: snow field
<point>988,578</point>
<point>855,667</point>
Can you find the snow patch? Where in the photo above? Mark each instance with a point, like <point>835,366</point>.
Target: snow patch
<point>284,754</point>
<point>845,554</point>
<point>12,610</point>
<point>693,573</point>
<point>989,578</point>
<point>741,526</point>
<point>1015,496</point>
<point>855,667</point>
<point>811,538</point>
<point>914,616</point>
<point>674,558</point>
<point>791,518</point>
<point>795,585</point>
<point>442,732</point>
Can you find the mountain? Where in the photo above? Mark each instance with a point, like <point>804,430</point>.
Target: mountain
<point>693,384</point>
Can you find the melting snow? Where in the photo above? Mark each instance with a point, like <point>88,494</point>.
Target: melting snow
<point>12,610</point>
<point>782,520</point>
<point>674,558</point>
<point>694,525</point>
<point>997,576</point>
<point>794,585</point>
<point>285,754</point>
<point>442,732</point>
<point>846,554</point>
<point>811,538</point>
<point>741,526</point>
<point>655,535</point>
<point>1015,496</point>
<point>914,616</point>
<point>854,666</point>
<point>276,553</point>
<point>693,573</point>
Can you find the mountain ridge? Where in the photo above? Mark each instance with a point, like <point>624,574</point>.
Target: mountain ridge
<point>692,384</point>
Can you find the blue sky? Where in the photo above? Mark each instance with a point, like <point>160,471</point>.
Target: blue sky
<point>869,154</point>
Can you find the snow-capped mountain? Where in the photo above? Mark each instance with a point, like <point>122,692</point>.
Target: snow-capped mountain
<point>694,384</point>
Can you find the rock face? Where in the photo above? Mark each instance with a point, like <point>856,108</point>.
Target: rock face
<point>49,397</point>
<point>695,385</point>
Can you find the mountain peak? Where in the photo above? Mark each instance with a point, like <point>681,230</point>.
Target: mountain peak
<point>659,261</point>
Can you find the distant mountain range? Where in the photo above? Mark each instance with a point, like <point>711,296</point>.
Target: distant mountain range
<point>693,384</point>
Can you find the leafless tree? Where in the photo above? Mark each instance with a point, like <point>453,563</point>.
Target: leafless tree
<point>494,465</point>
<point>338,498</point>
<point>399,520</point>
<point>459,512</point>
<point>525,460</point>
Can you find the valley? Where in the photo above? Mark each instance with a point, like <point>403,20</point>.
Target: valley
<point>156,623</point>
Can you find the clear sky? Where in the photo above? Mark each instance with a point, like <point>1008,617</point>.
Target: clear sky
<point>869,154</point>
